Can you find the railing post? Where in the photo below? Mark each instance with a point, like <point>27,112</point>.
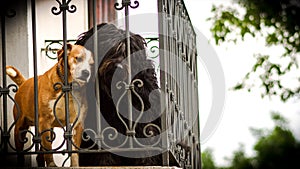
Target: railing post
<point>98,101</point>
<point>129,86</point>
<point>4,90</point>
<point>68,132</point>
<point>36,138</point>
<point>163,83</point>
<point>66,86</point>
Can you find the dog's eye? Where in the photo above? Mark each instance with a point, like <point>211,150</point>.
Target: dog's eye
<point>78,59</point>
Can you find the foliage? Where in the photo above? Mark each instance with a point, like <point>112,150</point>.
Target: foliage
<point>275,20</point>
<point>275,149</point>
<point>279,148</point>
<point>240,160</point>
<point>207,159</point>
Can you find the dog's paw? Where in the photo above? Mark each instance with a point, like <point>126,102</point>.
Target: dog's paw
<point>52,164</point>
<point>74,160</point>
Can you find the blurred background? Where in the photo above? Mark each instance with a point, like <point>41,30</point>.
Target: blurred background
<point>257,43</point>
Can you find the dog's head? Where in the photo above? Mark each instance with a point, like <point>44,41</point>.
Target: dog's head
<point>113,65</point>
<point>80,63</point>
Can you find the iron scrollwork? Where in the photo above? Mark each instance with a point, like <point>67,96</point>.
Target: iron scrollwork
<point>129,124</point>
<point>52,46</point>
<point>5,133</point>
<point>63,6</point>
<point>4,91</point>
<point>179,40</point>
<point>153,47</point>
<point>126,3</point>
<point>66,88</point>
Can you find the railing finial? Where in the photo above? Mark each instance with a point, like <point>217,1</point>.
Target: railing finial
<point>126,3</point>
<point>63,6</point>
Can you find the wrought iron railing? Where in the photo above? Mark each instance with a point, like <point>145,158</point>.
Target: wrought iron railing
<point>173,138</point>
<point>179,82</point>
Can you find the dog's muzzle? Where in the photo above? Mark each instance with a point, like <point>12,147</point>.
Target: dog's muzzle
<point>85,74</point>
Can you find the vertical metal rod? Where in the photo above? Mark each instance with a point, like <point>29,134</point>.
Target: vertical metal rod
<point>98,113</point>
<point>4,78</point>
<point>129,70</point>
<point>163,60</point>
<point>66,83</point>
<point>35,79</point>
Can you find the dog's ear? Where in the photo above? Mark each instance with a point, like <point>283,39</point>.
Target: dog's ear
<point>60,53</point>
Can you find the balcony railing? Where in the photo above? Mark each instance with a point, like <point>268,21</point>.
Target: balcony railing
<point>171,138</point>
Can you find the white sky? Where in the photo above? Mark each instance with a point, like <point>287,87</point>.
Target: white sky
<point>242,109</point>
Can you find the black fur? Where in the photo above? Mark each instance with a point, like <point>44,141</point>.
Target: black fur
<point>113,68</point>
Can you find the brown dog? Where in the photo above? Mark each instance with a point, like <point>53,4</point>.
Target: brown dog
<point>80,63</point>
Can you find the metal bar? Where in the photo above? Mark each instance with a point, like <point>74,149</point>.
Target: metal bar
<point>129,71</point>
<point>35,78</point>
<point>4,82</point>
<point>66,83</point>
<point>98,112</point>
<point>96,151</point>
<point>163,81</point>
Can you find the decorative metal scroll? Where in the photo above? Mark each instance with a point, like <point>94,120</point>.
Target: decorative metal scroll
<point>128,89</point>
<point>152,44</point>
<point>52,46</point>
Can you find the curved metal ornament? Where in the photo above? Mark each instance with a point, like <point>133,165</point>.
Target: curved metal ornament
<point>87,138</point>
<point>25,140</point>
<point>138,83</point>
<point>60,86</point>
<point>63,6</point>
<point>57,86</point>
<point>75,87</point>
<point>130,87</point>
<point>119,87</point>
<point>51,51</point>
<point>5,91</point>
<point>112,137</point>
<point>126,3</point>
<point>68,157</point>
<point>6,136</point>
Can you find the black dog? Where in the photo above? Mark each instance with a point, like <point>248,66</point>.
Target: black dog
<point>111,73</point>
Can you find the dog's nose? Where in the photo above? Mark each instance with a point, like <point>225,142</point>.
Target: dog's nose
<point>85,73</point>
<point>119,66</point>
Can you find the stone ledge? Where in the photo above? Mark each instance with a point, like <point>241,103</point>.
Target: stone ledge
<point>123,167</point>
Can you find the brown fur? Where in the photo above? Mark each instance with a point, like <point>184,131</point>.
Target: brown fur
<point>18,77</point>
<point>24,109</point>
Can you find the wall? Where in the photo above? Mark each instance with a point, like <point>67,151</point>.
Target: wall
<point>16,46</point>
